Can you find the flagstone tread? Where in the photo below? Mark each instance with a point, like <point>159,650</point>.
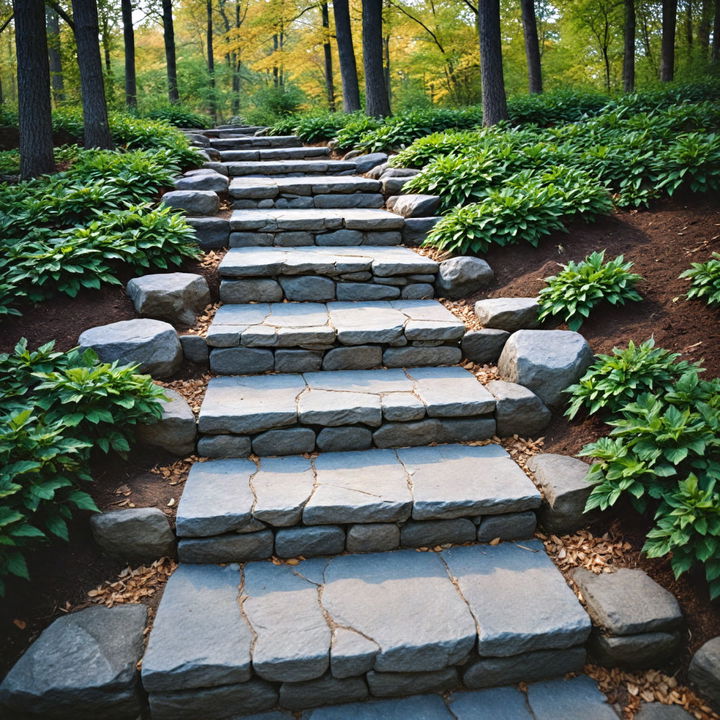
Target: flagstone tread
<point>289,167</point>
<point>394,322</point>
<point>249,187</point>
<point>314,219</point>
<point>296,153</point>
<point>264,141</point>
<point>373,486</point>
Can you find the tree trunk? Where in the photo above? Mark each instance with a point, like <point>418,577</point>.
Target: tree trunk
<point>491,69</point>
<point>170,59</point>
<point>716,35</point>
<point>95,117</point>
<point>376,96</point>
<point>689,25</point>
<point>129,40</point>
<point>54,55</point>
<point>236,66</point>
<point>703,33</point>
<point>532,47</point>
<point>276,72</point>
<point>212,101</point>
<point>346,52</point>
<point>327,50</point>
<point>386,69</point>
<point>629,49</point>
<point>669,21</point>
<point>33,75</point>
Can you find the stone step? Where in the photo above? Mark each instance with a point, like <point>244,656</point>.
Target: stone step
<point>286,414</point>
<point>315,226</point>
<point>233,640</point>
<point>234,131</point>
<point>290,167</point>
<point>236,510</point>
<point>263,141</point>
<point>333,191</point>
<point>321,274</point>
<point>300,337</point>
<point>294,153</point>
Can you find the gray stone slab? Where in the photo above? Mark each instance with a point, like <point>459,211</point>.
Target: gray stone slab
<point>394,599</point>
<point>355,200</point>
<point>359,357</point>
<point>504,703</point>
<point>250,404</point>
<point>450,481</point>
<point>360,381</point>
<point>213,647</point>
<point>509,314</point>
<point>195,349</point>
<point>419,707</point>
<point>569,700</point>
<point>451,392</point>
<point>519,599</point>
<point>417,356</point>
<point>512,526</point>
<point>233,547</point>
<point>250,290</point>
<point>82,666</point>
<point>484,346</point>
<point>373,537</point>
<point>418,291</point>
<point>356,487</point>
<point>298,696</point>
<point>239,360</point>
<point>308,287</point>
<point>704,671</point>
<point>527,667</point>
<point>627,602</point>
<point>333,408</point>
<point>658,711</point>
<point>645,650</point>
<point>287,441</point>
<point>223,446</point>
<point>350,291</point>
<point>292,637</point>
<point>282,486</point>
<point>135,534</point>
<point>297,361</point>
<point>367,322</point>
<point>466,429</point>
<point>309,541</point>
<point>287,167</point>
<point>344,438</point>
<point>351,653</point>
<point>402,434</point>
<point>217,498</point>
<point>518,410</point>
<point>340,237</point>
<point>393,684</point>
<point>402,407</point>
<point>437,532</point>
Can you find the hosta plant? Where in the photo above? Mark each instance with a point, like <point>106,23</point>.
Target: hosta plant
<point>573,293</point>
<point>705,280</point>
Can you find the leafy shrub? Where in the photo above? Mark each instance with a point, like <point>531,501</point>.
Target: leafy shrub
<point>9,162</point>
<point>283,126</point>
<point>54,409</point>
<point>617,379</point>
<point>350,135</point>
<point>705,279</point>
<point>8,117</point>
<point>273,103</point>
<point>573,293</point>
<point>692,161</point>
<point>179,116</point>
<point>314,128</point>
<point>550,108</point>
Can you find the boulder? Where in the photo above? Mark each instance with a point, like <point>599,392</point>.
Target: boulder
<point>365,163</point>
<point>518,410</point>
<point>176,297</point>
<point>461,276</point>
<point>211,232</point>
<point>195,349</point>
<point>704,671</point>
<point>153,345</point>
<point>210,180</point>
<point>484,346</point>
<point>508,313</point>
<point>83,666</point>
<point>546,361</point>
<point>414,205</point>
<point>416,229</point>
<point>658,711</point>
<point>377,171</point>
<point>193,202</point>
<point>561,480</point>
<point>393,185</point>
<point>176,429</point>
<point>138,534</point>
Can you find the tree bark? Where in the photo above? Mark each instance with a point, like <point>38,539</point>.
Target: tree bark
<point>327,51</point>
<point>212,100</point>
<point>386,69</point>
<point>532,47</point>
<point>716,35</point>
<point>376,96</point>
<point>629,49</point>
<point>129,41</point>
<point>346,52</point>
<point>95,117</point>
<point>491,69</point>
<point>669,22</point>
<point>170,58</point>
<point>689,25</point>
<point>54,56</point>
<point>33,77</point>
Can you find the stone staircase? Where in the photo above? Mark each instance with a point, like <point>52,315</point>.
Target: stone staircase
<point>334,419</point>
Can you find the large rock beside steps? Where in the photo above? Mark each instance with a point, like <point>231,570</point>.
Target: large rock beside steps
<point>462,276</point>
<point>704,671</point>
<point>176,430</point>
<point>175,297</point>
<point>512,313</point>
<point>193,202</point>
<point>134,533</point>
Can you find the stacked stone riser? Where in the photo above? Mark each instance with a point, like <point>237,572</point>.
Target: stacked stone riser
<point>246,142</point>
<point>329,200</point>
<point>286,168</point>
<point>269,154</point>
<point>358,626</point>
<point>320,238</point>
<point>234,131</point>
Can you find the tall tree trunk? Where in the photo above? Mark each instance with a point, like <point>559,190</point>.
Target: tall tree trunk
<point>532,47</point>
<point>212,103</point>
<point>105,37</point>
<point>377,103</point>
<point>629,49</point>
<point>276,71</point>
<point>95,117</point>
<point>716,35</point>
<point>346,52</point>
<point>33,76</point>
<point>491,69</point>
<point>129,40</point>
<point>386,69</point>
<point>54,55</point>
<point>170,57</point>
<point>327,50</point>
<point>689,25</point>
<point>669,22</point>
<point>703,33</point>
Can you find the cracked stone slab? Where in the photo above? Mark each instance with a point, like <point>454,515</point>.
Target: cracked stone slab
<point>315,219</point>
<point>292,637</point>
<point>329,408</point>
<point>282,486</point>
<point>249,404</point>
<point>403,601</point>
<point>296,153</point>
<point>451,481</point>
<point>200,637</point>
<point>360,381</point>
<point>451,392</point>
<point>518,598</point>
<point>568,700</point>
<point>351,653</point>
<point>504,703</point>
<point>357,487</point>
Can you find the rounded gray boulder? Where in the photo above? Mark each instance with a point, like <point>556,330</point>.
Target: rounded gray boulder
<point>514,313</point>
<point>151,344</point>
<point>134,533</point>
<point>175,297</point>
<point>176,429</point>
<point>704,671</point>
<point>461,276</point>
<point>193,202</point>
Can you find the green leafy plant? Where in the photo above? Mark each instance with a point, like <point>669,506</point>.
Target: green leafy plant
<point>617,379</point>
<point>573,293</point>
<point>179,116</point>
<point>705,279</point>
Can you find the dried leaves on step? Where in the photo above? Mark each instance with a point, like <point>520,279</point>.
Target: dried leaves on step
<point>133,585</point>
